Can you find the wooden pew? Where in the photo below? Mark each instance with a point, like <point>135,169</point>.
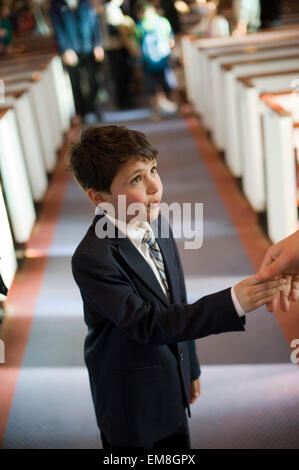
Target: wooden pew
<point>14,177</point>
<point>20,70</point>
<point>8,263</point>
<point>212,80</point>
<point>281,138</point>
<point>64,92</point>
<point>20,101</point>
<point>25,59</point>
<point>229,110</point>
<point>217,59</point>
<point>59,80</point>
<point>204,70</point>
<point>250,130</point>
<point>195,52</point>
<point>189,66</point>
<point>40,104</point>
<point>24,43</point>
<point>46,90</point>
<point>50,98</point>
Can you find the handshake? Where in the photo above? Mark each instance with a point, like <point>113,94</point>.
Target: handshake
<point>277,281</point>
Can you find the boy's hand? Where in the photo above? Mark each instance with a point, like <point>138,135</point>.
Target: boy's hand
<point>252,294</point>
<point>194,390</point>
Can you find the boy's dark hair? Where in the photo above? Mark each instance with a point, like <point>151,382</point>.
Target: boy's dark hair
<point>101,151</point>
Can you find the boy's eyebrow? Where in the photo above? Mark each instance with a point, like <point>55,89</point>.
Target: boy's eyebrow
<point>136,171</point>
<point>140,169</point>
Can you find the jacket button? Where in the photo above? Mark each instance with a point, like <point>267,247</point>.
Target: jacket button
<point>181,356</point>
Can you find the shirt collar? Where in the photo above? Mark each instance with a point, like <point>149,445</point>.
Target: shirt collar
<point>135,233</point>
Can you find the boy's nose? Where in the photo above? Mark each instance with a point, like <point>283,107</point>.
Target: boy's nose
<point>153,187</point>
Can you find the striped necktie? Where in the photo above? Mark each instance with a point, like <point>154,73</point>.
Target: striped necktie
<point>156,255</point>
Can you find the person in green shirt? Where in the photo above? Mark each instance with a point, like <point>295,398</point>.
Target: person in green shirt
<point>156,39</point>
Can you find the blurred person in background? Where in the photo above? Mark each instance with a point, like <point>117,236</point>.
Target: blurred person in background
<point>6,29</point>
<point>213,23</point>
<point>41,16</point>
<point>167,9</point>
<point>247,16</point>
<point>77,30</point>
<point>22,17</point>
<point>121,49</point>
<point>156,40</point>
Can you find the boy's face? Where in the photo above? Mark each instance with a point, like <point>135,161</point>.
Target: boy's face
<point>140,183</point>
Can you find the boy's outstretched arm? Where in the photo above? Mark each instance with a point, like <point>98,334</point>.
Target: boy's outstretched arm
<point>108,293</point>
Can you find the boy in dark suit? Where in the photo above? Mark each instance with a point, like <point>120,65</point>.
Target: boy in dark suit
<point>139,349</point>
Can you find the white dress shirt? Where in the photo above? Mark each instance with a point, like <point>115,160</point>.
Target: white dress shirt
<point>135,235</point>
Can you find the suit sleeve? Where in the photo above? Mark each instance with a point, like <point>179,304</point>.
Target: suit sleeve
<point>194,364</point>
<point>108,293</point>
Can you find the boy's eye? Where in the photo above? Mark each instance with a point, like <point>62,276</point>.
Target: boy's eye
<point>137,179</point>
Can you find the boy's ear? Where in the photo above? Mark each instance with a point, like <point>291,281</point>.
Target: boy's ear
<point>96,197</point>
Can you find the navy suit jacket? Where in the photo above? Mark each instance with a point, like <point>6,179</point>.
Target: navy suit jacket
<point>139,350</point>
<point>75,29</point>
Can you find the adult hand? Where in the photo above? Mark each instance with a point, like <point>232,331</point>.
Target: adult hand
<point>282,259</point>
<point>98,53</point>
<point>70,58</point>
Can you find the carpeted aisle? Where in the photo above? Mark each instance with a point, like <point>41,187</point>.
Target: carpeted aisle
<point>250,388</point>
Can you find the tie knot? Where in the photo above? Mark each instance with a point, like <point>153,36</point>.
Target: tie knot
<point>148,238</point>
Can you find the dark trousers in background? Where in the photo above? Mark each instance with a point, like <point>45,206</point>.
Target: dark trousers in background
<point>178,440</point>
<point>121,67</point>
<point>271,13</point>
<point>83,77</point>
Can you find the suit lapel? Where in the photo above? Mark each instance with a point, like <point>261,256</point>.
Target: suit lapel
<point>135,261</point>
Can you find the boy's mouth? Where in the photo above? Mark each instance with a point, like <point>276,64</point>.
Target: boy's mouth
<point>154,204</point>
